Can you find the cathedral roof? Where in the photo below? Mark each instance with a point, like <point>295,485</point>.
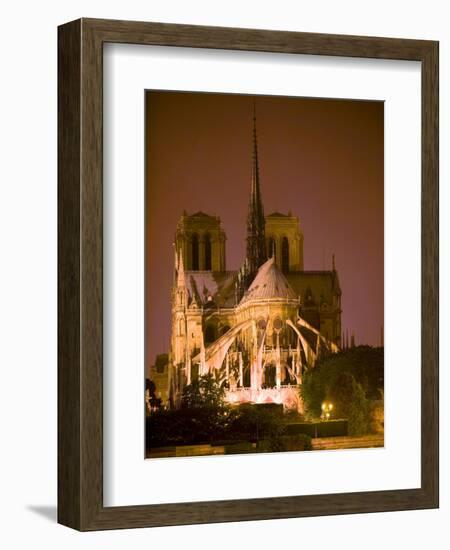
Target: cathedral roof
<point>211,286</point>
<point>269,284</point>
<point>322,284</point>
<point>220,286</point>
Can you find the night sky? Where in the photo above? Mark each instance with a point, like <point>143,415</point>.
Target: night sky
<point>322,159</point>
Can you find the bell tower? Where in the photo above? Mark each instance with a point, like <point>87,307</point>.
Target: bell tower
<point>200,241</point>
<point>285,241</point>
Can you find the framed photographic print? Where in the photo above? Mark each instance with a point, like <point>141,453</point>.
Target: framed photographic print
<point>248,274</point>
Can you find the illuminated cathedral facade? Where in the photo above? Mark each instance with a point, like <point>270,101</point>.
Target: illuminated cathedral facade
<point>255,329</point>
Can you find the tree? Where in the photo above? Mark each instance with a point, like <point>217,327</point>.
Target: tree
<point>201,418</point>
<point>358,414</point>
<point>152,401</point>
<point>205,391</point>
<point>350,380</point>
<point>350,402</point>
<point>313,391</point>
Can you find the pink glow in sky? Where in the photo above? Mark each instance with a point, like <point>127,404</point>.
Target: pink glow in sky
<point>321,159</point>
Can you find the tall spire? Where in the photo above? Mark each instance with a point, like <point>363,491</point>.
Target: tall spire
<point>256,193</point>
<point>256,242</point>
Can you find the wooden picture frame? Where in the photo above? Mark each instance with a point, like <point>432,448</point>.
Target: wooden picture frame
<point>80,271</point>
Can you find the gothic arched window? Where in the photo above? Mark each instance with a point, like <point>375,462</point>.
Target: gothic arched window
<point>208,260</point>
<point>271,248</point>
<point>210,334</point>
<point>270,376</point>
<point>285,255</point>
<point>195,254</point>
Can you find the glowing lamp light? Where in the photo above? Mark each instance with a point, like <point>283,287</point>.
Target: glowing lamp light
<point>326,410</point>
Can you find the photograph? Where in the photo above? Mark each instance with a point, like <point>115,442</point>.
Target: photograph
<point>224,237</point>
<point>264,274</point>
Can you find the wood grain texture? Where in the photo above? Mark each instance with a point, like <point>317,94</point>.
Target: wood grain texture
<point>80,265</point>
<point>430,272</point>
<point>69,248</point>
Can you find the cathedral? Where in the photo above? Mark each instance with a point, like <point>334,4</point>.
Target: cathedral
<point>257,328</point>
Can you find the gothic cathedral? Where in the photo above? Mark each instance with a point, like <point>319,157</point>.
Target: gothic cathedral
<point>255,329</point>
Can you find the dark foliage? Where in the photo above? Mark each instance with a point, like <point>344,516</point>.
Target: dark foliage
<point>155,402</point>
<point>256,422</point>
<point>350,380</point>
<point>185,426</point>
<point>205,391</point>
<point>207,424</point>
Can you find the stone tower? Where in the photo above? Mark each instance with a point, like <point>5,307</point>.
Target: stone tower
<point>285,241</point>
<point>200,240</point>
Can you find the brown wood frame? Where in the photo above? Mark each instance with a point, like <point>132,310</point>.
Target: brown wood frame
<point>80,265</point>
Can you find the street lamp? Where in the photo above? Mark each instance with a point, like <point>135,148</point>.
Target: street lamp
<point>327,408</point>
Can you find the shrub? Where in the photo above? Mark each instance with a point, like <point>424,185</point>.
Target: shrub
<point>185,426</point>
<point>255,422</point>
<point>206,424</point>
<point>205,391</point>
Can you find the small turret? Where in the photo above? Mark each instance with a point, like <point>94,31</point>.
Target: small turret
<point>181,281</point>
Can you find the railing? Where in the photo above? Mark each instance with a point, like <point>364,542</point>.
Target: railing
<point>283,386</point>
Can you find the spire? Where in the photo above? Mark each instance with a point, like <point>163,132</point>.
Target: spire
<point>256,242</point>
<point>256,193</point>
